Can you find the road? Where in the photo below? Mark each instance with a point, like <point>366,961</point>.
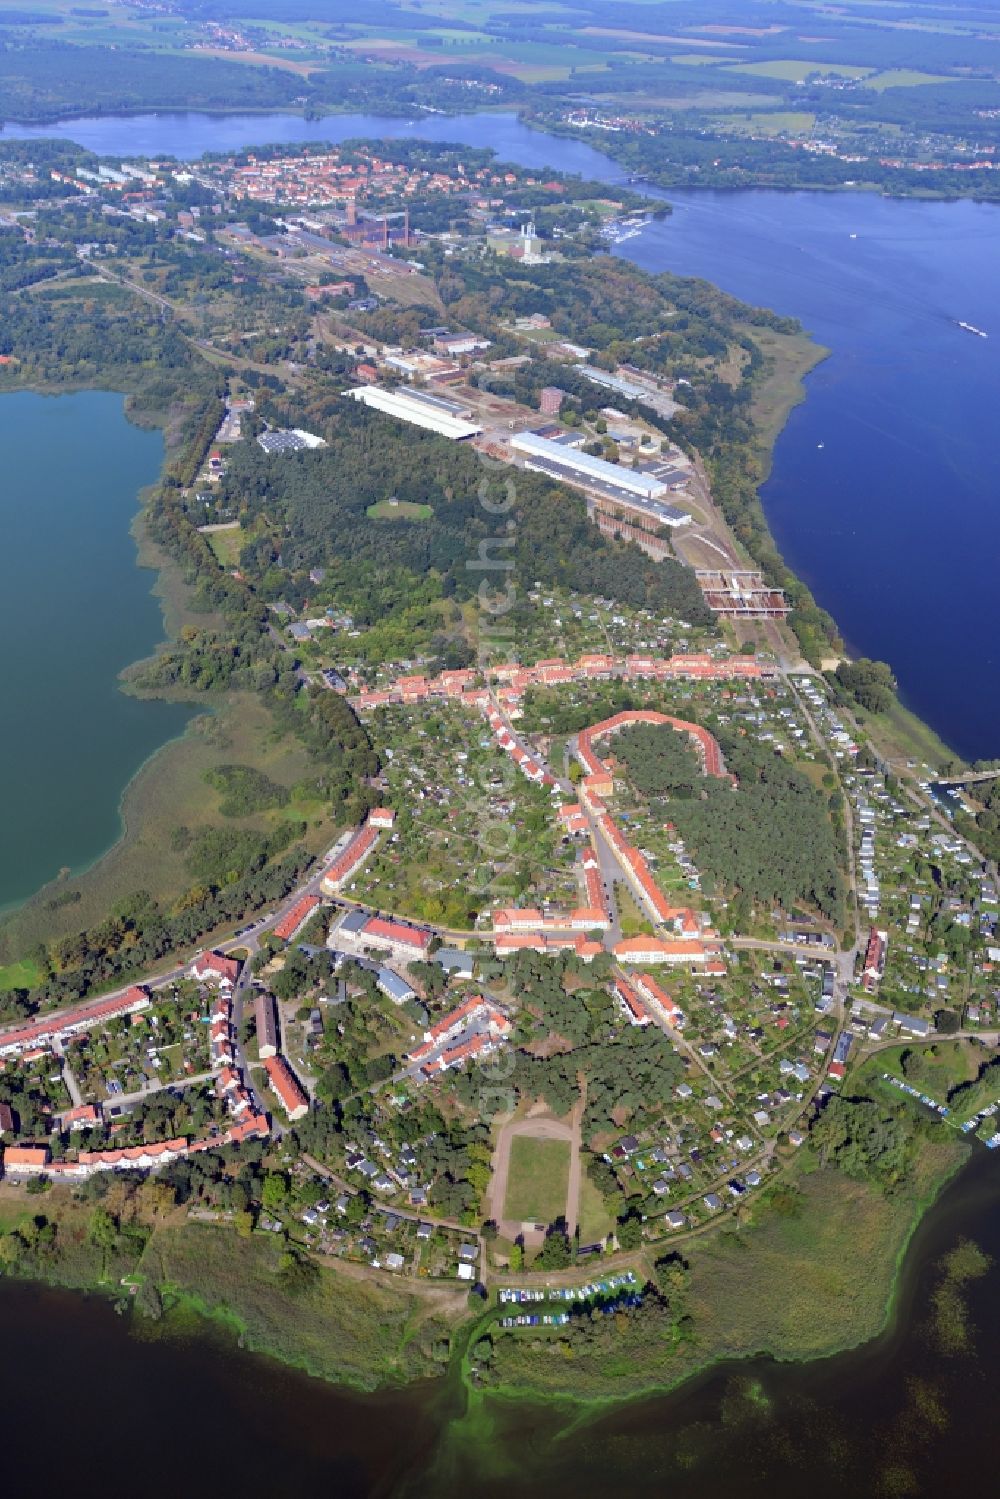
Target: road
<point>246,938</point>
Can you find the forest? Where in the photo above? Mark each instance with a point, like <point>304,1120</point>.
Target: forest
<point>660,760</point>
<point>317,505</point>
<point>44,80</point>
<point>867,1139</point>
<point>769,838</point>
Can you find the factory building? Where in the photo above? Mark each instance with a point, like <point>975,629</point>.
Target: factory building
<point>406,406</point>
<point>582,468</point>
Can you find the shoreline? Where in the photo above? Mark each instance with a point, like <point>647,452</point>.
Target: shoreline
<point>593,1407</point>
<point>9,911</point>
<point>557,129</point>
<point>188,1314</point>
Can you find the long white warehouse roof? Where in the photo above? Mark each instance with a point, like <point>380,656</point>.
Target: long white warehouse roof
<point>585,466</point>
<point>399,404</point>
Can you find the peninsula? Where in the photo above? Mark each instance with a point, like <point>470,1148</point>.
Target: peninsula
<point>544,917</point>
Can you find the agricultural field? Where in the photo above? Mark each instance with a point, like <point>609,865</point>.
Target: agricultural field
<point>905,78</point>
<point>796,70</point>
<point>779,122</point>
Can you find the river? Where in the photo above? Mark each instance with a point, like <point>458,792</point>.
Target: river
<point>884,490</point>
<point>74,611</point>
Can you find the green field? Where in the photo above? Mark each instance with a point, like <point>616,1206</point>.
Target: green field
<point>906,78</point>
<point>23,975</point>
<point>796,70</point>
<point>780,122</point>
<point>538,1179</point>
<point>696,59</point>
<point>227,545</point>
<point>933,1069</point>
<point>398,510</point>
<point>595,1219</point>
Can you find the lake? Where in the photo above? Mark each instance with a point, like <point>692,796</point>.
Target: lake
<point>74,611</point>
<point>884,490</point>
<point>896,1418</point>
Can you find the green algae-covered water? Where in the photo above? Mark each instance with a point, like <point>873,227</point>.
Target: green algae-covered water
<point>75,609</point>
<point>910,1414</point>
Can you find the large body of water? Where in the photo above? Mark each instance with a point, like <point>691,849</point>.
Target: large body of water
<point>74,610</point>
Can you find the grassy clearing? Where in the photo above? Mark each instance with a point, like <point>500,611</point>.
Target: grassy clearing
<point>902,736</point>
<point>353,1331</point>
<point>227,545</point>
<point>933,1069</point>
<point>634,922</point>
<point>23,975</point>
<point>169,790</point>
<point>538,1180</point>
<point>595,1219</point>
<point>789,357</point>
<point>399,510</point>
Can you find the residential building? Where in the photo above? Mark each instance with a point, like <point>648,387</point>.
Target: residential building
<point>286,1085</point>
<point>268,1040</point>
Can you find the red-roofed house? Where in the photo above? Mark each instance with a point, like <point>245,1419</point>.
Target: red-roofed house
<point>658,997</point>
<point>412,940</point>
<point>217,967</point>
<point>350,861</point>
<point>657,950</point>
<point>85,1116</point>
<point>26,1160</point>
<point>296,917</point>
<point>287,1087</point>
<point>631,1003</point>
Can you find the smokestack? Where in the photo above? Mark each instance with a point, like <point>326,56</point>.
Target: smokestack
<point>352,211</point>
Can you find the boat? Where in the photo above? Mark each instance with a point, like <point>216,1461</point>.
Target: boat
<point>820,445</point>
<point>854,236</point>
<point>971,328</point>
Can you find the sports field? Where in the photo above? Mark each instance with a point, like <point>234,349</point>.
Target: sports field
<point>537,1181</point>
